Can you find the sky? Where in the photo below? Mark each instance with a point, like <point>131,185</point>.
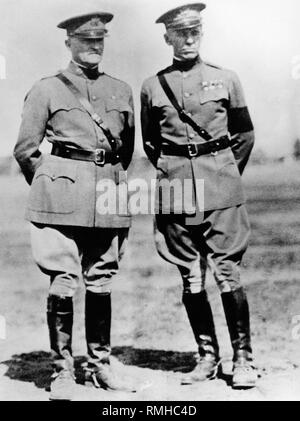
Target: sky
<point>259,39</point>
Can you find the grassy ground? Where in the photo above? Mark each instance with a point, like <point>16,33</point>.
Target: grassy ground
<point>150,331</point>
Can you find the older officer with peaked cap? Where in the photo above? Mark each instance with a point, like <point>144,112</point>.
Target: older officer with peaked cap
<point>88,117</point>
<point>196,126</point>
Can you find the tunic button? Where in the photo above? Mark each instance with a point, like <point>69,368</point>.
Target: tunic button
<point>94,98</point>
<point>191,136</point>
<point>113,97</point>
<point>186,94</point>
<point>189,114</point>
<point>184,75</point>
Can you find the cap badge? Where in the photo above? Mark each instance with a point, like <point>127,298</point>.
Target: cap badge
<point>95,22</point>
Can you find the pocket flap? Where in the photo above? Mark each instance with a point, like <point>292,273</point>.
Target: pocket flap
<point>53,189</point>
<point>213,95</point>
<point>57,170</point>
<point>65,103</point>
<point>117,104</point>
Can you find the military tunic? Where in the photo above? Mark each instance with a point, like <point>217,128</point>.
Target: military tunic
<point>214,98</point>
<point>64,191</point>
<point>70,234</point>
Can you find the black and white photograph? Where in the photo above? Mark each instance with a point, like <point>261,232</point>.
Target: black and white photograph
<point>150,203</point>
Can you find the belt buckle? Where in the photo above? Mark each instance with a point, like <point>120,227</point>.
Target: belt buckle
<point>192,149</point>
<point>99,157</point>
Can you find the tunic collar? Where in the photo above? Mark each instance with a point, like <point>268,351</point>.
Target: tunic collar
<point>84,72</point>
<point>186,65</point>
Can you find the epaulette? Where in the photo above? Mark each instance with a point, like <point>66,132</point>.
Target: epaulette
<point>213,65</point>
<point>115,78</point>
<point>58,72</point>
<point>49,77</point>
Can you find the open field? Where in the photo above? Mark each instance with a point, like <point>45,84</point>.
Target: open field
<point>150,331</point>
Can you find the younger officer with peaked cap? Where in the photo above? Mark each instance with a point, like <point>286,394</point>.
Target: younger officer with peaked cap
<point>88,117</point>
<point>215,148</point>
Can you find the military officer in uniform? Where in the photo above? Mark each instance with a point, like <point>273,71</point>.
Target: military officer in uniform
<point>196,126</point>
<point>88,118</point>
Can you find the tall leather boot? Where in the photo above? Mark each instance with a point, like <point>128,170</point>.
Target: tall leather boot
<point>60,323</point>
<point>238,321</point>
<point>98,326</point>
<point>201,319</point>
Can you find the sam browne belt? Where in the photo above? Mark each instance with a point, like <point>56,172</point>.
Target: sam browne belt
<point>192,150</point>
<point>98,156</point>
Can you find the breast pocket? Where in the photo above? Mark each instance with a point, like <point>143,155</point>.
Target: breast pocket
<point>116,110</point>
<point>69,119</point>
<point>213,95</point>
<point>53,188</point>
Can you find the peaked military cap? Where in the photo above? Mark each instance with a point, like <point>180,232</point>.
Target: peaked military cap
<point>91,25</point>
<point>186,16</point>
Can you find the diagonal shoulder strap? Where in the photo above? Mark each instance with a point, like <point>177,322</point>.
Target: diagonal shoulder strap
<point>88,108</point>
<point>181,112</point>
